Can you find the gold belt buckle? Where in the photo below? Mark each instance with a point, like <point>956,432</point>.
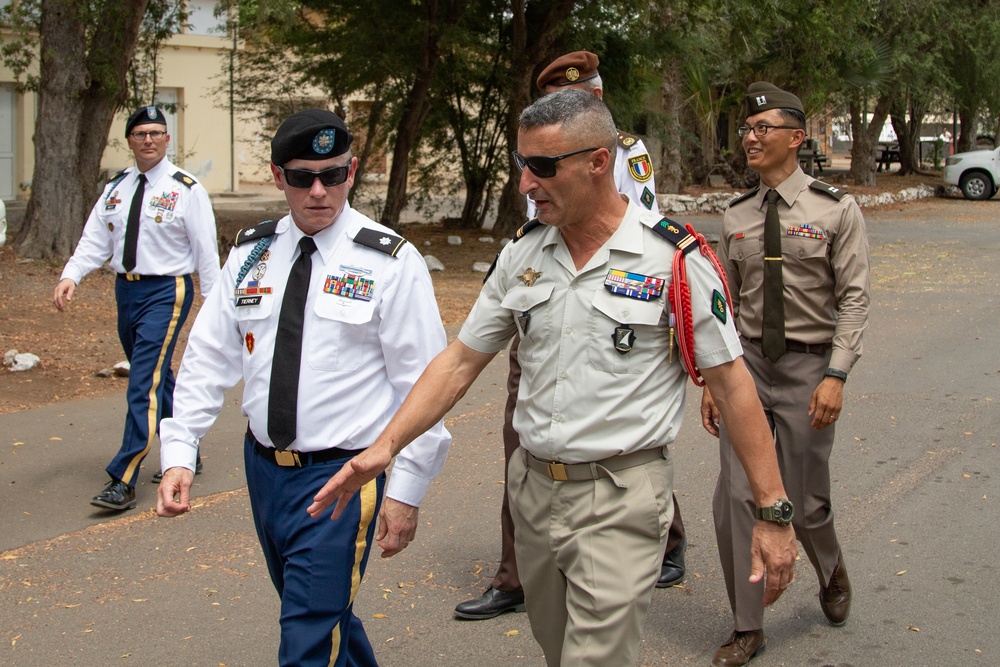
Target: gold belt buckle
<point>132,277</point>
<point>557,471</point>
<point>287,458</point>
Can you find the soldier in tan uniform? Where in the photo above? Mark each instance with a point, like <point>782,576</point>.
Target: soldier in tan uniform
<point>801,327</point>
<point>633,172</point>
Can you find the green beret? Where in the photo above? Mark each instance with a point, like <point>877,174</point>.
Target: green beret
<point>313,134</point>
<point>144,116</point>
<point>763,96</point>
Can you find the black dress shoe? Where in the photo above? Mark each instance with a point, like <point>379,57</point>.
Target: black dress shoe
<point>739,649</point>
<point>490,604</point>
<point>672,570</point>
<point>835,597</point>
<point>117,495</point>
<point>158,475</point>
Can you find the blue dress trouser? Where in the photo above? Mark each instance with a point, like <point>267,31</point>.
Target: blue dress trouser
<point>316,565</point>
<point>151,312</point>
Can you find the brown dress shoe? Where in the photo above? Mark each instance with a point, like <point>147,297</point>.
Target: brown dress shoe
<point>740,648</point>
<point>835,597</point>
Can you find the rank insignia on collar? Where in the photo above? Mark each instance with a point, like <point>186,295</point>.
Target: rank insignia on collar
<point>522,321</point>
<point>719,306</point>
<point>634,285</point>
<point>529,276</point>
<point>249,340</point>
<point>624,339</point>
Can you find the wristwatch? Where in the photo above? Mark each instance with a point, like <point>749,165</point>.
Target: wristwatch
<point>781,512</point>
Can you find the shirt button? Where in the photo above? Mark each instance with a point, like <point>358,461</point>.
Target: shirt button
<point>625,314</point>
<point>563,375</point>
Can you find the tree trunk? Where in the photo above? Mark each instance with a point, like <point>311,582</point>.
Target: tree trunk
<point>863,159</point>
<point>967,136</point>
<point>526,54</point>
<point>670,176</point>
<point>908,134</point>
<point>81,87</point>
<point>417,106</point>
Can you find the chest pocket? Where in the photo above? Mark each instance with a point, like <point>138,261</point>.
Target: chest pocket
<point>251,320</point>
<point>748,255</point>
<point>530,309</point>
<point>339,332</point>
<point>651,336</point>
<point>805,261</point>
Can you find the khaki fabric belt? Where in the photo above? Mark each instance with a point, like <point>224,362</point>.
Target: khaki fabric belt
<point>578,472</point>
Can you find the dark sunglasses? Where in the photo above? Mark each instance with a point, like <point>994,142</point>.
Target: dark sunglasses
<point>304,179</point>
<point>544,166</point>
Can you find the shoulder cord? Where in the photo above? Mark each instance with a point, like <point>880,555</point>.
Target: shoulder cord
<point>680,302</point>
<point>252,258</point>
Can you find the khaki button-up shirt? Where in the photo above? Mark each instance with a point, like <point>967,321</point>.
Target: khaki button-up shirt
<point>825,272</point>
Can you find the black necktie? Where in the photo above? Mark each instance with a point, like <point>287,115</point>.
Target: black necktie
<point>132,230</point>
<point>282,400</point>
<point>773,334</point>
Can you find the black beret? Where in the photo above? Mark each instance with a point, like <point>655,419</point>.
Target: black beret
<point>571,68</point>
<point>144,116</point>
<point>313,134</point>
<point>762,96</point>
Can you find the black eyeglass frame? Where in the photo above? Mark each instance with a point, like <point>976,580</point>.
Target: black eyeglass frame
<point>761,129</point>
<point>335,175</point>
<point>547,168</point>
<point>141,136</point>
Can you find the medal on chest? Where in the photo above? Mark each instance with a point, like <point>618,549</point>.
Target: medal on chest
<point>352,282</point>
<point>161,208</point>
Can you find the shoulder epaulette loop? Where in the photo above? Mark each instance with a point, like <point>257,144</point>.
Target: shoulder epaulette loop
<point>676,234</point>
<point>746,195</point>
<point>627,140</point>
<point>258,231</point>
<point>829,190</point>
<point>381,241</point>
<point>185,179</point>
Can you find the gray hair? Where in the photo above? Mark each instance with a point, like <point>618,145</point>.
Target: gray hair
<point>579,113</point>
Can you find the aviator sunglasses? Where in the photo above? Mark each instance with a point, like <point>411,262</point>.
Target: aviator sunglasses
<point>304,179</point>
<point>544,166</point>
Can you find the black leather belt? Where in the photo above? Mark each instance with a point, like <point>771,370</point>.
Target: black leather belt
<point>289,458</point>
<point>578,472</point>
<point>132,277</point>
<point>796,346</point>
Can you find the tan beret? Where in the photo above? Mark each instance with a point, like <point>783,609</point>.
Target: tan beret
<point>762,96</point>
<point>571,68</point>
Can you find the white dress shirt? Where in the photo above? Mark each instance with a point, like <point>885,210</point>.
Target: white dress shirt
<point>177,233</point>
<point>360,357</point>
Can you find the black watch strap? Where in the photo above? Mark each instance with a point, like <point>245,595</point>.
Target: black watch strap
<point>836,373</point>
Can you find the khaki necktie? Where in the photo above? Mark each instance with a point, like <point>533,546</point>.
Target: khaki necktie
<point>283,394</point>
<point>773,334</point>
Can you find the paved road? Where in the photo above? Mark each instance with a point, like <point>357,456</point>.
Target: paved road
<point>913,488</point>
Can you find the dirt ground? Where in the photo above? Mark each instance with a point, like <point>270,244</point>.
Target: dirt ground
<point>76,344</point>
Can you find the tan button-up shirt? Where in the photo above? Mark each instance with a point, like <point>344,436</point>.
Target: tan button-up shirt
<point>580,399</point>
<point>825,272</point>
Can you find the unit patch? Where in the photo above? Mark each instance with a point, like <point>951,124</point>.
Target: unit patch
<point>351,284</point>
<point>640,167</point>
<point>249,340</point>
<point>647,198</point>
<point>634,285</point>
<point>719,306</point>
<point>624,339</point>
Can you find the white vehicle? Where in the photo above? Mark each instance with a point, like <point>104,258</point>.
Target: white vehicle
<point>3,223</point>
<point>976,173</point>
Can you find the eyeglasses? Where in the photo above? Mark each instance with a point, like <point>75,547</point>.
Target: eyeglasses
<point>544,166</point>
<point>761,130</point>
<point>155,135</point>
<point>304,179</point>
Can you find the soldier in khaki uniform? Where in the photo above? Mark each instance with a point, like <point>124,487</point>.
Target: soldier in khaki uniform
<point>633,173</point>
<point>801,337</point>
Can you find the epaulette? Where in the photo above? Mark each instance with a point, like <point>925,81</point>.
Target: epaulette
<point>381,241</point>
<point>746,195</point>
<point>117,178</point>
<point>827,189</point>
<point>676,234</point>
<point>627,140</point>
<point>258,231</point>
<point>185,179</point>
<point>518,235</point>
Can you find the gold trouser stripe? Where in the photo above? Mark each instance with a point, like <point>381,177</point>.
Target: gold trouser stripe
<point>179,294</point>
<point>368,495</point>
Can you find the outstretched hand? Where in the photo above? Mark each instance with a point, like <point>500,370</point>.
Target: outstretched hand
<point>357,472</point>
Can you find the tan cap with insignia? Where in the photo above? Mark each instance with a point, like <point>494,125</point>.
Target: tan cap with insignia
<point>571,68</point>
<point>762,96</point>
